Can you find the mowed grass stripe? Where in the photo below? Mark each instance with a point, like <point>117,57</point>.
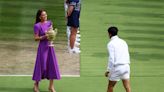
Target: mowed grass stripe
<point>28,10</point>
<point>142,38</point>
<point>139,26</point>
<point>150,32</point>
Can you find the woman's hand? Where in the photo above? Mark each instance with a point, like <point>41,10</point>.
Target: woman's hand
<point>36,37</point>
<point>46,35</point>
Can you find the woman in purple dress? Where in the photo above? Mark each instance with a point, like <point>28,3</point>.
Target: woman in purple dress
<point>46,65</point>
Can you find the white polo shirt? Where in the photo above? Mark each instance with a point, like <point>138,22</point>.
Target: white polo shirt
<point>118,52</point>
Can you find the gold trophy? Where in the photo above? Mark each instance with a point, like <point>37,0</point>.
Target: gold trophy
<point>51,35</point>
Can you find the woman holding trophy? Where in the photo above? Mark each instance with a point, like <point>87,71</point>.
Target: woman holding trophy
<point>46,65</point>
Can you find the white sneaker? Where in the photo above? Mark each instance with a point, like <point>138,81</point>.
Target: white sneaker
<point>75,50</point>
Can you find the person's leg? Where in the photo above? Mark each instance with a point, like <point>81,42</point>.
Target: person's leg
<point>36,86</point>
<point>111,85</point>
<point>51,86</point>
<point>73,37</point>
<point>126,84</point>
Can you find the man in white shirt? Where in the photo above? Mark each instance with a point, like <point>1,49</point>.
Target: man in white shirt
<point>118,62</point>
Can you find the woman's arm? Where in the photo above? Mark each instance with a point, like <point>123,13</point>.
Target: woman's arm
<point>36,33</point>
<point>38,38</point>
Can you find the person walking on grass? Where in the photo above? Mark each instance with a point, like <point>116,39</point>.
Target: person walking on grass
<point>118,62</point>
<point>46,65</point>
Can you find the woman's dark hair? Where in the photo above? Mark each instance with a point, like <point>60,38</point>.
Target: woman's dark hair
<point>39,12</point>
<point>113,30</point>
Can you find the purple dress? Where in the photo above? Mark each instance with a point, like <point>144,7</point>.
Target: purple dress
<point>46,65</point>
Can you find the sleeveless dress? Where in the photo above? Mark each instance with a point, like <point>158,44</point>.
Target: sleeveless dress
<point>46,65</point>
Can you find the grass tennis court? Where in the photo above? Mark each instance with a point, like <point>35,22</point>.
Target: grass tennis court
<point>141,25</point>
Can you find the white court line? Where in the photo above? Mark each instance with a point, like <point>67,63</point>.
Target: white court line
<point>31,75</point>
